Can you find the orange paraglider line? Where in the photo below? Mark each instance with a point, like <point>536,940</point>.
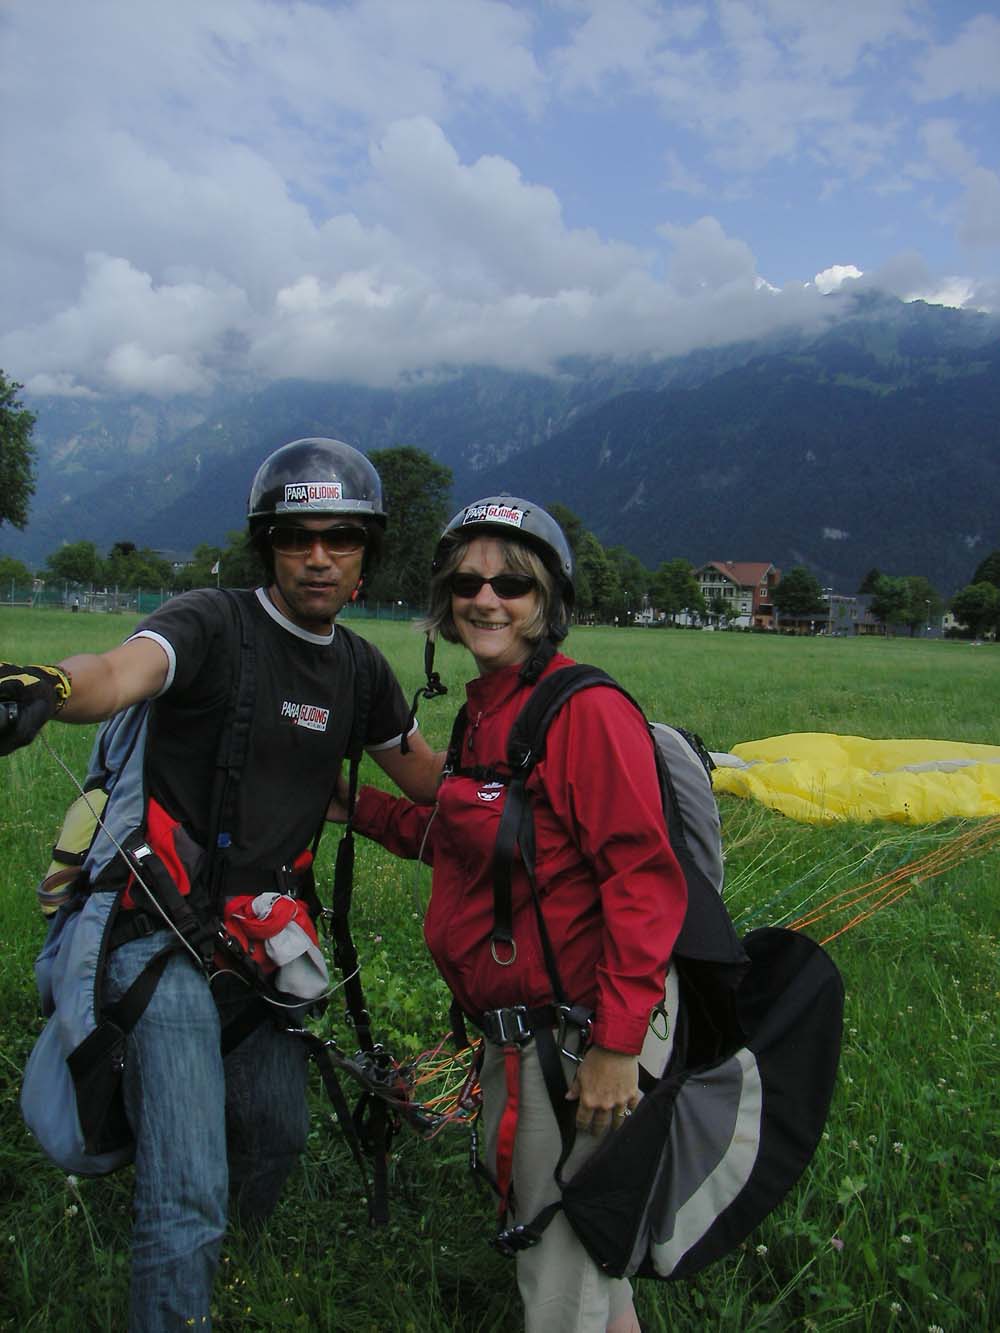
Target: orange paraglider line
<point>887,889</point>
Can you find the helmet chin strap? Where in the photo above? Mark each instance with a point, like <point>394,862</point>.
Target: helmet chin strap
<point>538,661</point>
<point>433,689</point>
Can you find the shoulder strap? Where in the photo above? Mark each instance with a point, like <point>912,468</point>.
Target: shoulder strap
<point>344,952</point>
<point>526,743</point>
<point>234,738</point>
<point>525,746</point>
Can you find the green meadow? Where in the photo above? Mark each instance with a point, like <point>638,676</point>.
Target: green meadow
<point>894,1225</point>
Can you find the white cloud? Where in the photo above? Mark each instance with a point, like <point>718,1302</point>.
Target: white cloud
<point>834,277</point>
<point>706,259</point>
<point>835,535</point>
<point>367,188</point>
<point>126,334</point>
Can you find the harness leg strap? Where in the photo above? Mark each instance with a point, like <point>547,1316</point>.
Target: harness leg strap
<point>507,1132</point>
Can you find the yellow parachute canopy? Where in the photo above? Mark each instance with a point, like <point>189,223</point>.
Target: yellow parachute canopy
<point>819,778</point>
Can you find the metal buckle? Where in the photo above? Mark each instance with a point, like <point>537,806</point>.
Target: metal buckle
<point>577,1017</point>
<point>513,1239</point>
<point>504,962</point>
<point>507,1026</point>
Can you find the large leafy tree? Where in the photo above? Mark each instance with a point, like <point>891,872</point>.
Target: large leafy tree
<point>676,589</point>
<point>633,580</point>
<point>239,563</point>
<point>978,606</point>
<point>77,562</point>
<point>890,600</point>
<point>799,594</point>
<point>417,494</point>
<point>988,570</point>
<point>17,455</point>
<point>129,567</point>
<point>598,588</point>
<point>571,524</point>
<point>573,531</point>
<point>13,571</point>
<point>923,602</point>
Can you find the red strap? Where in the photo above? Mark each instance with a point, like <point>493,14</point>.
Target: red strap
<point>508,1125</point>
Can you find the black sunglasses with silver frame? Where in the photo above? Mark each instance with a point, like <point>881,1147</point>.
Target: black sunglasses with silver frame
<point>338,539</point>
<point>465,584</point>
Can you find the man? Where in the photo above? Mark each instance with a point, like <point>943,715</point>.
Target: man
<point>207,1127</point>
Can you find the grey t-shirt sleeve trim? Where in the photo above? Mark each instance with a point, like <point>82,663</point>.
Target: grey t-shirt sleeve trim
<point>167,648</point>
<point>391,744</point>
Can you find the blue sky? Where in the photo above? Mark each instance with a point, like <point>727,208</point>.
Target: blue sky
<point>373,189</point>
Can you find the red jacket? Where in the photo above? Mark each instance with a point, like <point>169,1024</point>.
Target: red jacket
<point>612,893</point>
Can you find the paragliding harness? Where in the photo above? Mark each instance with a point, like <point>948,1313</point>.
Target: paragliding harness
<point>727,1126</point>
<point>115,841</point>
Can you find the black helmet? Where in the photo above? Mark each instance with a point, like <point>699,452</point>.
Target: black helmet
<point>511,519</point>
<point>316,476</point>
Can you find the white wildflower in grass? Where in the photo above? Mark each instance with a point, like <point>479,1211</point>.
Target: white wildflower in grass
<point>72,1210</point>
<point>762,1250</point>
<point>873,1138</point>
<point>905,1239</point>
<point>895,1308</point>
<point>854,1144</point>
<point>897,1147</point>
<point>836,1243</point>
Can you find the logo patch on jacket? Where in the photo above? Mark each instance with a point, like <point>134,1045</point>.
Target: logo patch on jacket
<point>305,715</point>
<point>490,792</point>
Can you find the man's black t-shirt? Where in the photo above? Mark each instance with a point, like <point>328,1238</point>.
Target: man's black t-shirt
<point>300,731</point>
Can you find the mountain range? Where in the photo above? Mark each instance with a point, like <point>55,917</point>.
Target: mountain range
<point>875,442</point>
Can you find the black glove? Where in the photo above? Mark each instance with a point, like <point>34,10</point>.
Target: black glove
<point>37,693</point>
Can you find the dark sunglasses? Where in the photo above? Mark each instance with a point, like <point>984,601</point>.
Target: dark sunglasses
<point>342,539</point>
<point>504,585</point>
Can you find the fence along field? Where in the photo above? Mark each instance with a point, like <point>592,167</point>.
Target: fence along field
<point>893,1226</point>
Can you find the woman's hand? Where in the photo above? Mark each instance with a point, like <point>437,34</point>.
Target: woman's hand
<point>606,1089</point>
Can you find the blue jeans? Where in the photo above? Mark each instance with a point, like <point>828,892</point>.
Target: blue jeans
<point>207,1131</point>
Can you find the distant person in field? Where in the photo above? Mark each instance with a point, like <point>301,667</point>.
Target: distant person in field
<point>209,1130</point>
<point>611,894</point>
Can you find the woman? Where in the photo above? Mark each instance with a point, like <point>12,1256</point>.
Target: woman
<point>611,894</point>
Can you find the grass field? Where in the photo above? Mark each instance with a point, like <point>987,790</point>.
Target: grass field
<point>893,1226</point>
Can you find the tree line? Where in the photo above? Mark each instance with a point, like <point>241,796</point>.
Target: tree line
<point>612,585</point>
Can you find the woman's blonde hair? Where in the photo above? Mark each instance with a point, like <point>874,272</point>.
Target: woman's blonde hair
<point>549,616</point>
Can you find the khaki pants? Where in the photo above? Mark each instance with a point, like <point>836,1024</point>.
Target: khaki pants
<point>562,1288</point>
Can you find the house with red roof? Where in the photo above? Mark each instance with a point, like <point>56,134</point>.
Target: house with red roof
<point>745,586</point>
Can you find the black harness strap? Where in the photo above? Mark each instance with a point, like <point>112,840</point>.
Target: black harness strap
<point>373,1126</point>
<point>344,952</point>
<point>234,742</point>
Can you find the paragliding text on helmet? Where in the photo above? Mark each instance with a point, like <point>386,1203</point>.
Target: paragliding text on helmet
<point>304,494</point>
<point>494,513</point>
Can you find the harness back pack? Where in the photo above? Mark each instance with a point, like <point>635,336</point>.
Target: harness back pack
<point>731,1118</point>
